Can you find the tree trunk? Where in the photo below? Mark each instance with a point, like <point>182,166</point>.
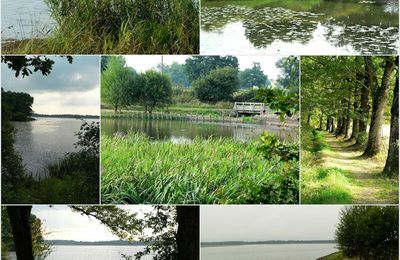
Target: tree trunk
<point>332,125</point>
<point>364,109</point>
<point>21,230</point>
<point>380,96</point>
<point>321,118</point>
<point>354,131</point>
<point>308,119</point>
<point>188,234</point>
<point>392,161</point>
<point>328,123</point>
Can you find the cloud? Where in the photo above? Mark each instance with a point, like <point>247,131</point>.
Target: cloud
<point>81,75</point>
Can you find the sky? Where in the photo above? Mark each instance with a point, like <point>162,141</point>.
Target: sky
<point>260,223</point>
<point>142,63</point>
<point>68,89</point>
<point>61,223</point>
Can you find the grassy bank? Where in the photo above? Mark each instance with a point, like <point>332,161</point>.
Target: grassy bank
<point>119,27</point>
<point>72,180</point>
<point>335,256</point>
<point>136,170</point>
<point>333,172</point>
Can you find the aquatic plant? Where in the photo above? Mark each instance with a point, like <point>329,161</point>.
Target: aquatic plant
<point>119,26</point>
<point>137,170</point>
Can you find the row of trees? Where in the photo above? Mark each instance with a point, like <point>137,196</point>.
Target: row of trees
<point>213,78</point>
<point>351,97</point>
<point>18,104</point>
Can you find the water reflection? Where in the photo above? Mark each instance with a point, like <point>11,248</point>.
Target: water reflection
<point>326,26</point>
<point>185,132</point>
<point>25,19</point>
<point>44,141</point>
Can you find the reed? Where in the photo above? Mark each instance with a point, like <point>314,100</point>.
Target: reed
<point>119,27</point>
<point>206,171</point>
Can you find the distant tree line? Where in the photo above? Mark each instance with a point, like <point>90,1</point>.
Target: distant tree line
<point>212,78</point>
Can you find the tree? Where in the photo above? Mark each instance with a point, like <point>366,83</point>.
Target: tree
<point>154,90</point>
<point>392,162</point>
<point>218,85</point>
<point>115,82</point>
<point>89,137</point>
<point>380,94</point>
<point>21,230</point>
<point>289,77</point>
<point>198,66</point>
<point>253,76</point>
<point>369,232</point>
<point>177,73</point>
<point>18,103</point>
<point>23,65</point>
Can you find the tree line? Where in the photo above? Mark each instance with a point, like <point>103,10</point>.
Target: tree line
<point>351,97</point>
<point>212,78</point>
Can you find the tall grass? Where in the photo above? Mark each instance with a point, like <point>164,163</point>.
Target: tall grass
<point>120,27</point>
<point>136,170</point>
<point>72,180</point>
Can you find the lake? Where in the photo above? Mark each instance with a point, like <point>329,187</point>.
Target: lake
<point>44,141</point>
<point>303,27</point>
<point>273,252</point>
<point>185,131</point>
<point>92,252</point>
<point>24,19</point>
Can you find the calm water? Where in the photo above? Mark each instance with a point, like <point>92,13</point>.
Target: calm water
<point>44,141</point>
<point>184,131</point>
<point>300,27</point>
<point>273,252</point>
<point>23,19</point>
<point>92,252</point>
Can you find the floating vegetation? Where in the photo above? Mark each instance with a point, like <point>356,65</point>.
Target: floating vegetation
<point>267,25</point>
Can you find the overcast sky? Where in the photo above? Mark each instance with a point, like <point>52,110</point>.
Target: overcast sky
<point>142,63</point>
<point>258,223</point>
<point>69,89</point>
<point>62,223</point>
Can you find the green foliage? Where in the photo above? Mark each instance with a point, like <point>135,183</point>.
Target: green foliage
<point>41,249</point>
<point>115,83</point>
<point>136,170</point>
<point>177,73</point>
<point>290,76</point>
<point>369,232</point>
<point>119,27</point>
<point>270,146</point>
<point>253,77</point>
<point>247,95</point>
<point>218,85</point>
<point>89,137</point>
<point>19,104</point>
<point>200,66</point>
<point>183,95</point>
<point>154,90</point>
<point>283,102</point>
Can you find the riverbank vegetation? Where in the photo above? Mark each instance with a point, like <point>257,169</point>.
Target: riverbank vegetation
<point>367,232</point>
<point>349,155</point>
<point>119,27</point>
<point>72,179</point>
<point>139,169</point>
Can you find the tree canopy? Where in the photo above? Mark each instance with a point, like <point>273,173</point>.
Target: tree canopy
<point>198,66</point>
<point>253,77</point>
<point>369,232</point>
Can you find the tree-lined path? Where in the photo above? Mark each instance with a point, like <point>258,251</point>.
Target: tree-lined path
<point>364,180</point>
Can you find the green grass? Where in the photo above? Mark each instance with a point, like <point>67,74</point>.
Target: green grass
<point>72,180</point>
<point>136,170</point>
<point>118,27</point>
<point>338,175</point>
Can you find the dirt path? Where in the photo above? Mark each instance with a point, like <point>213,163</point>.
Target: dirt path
<point>365,182</point>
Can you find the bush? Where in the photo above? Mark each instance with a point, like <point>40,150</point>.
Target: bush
<point>218,85</point>
<point>270,146</point>
<point>369,232</point>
